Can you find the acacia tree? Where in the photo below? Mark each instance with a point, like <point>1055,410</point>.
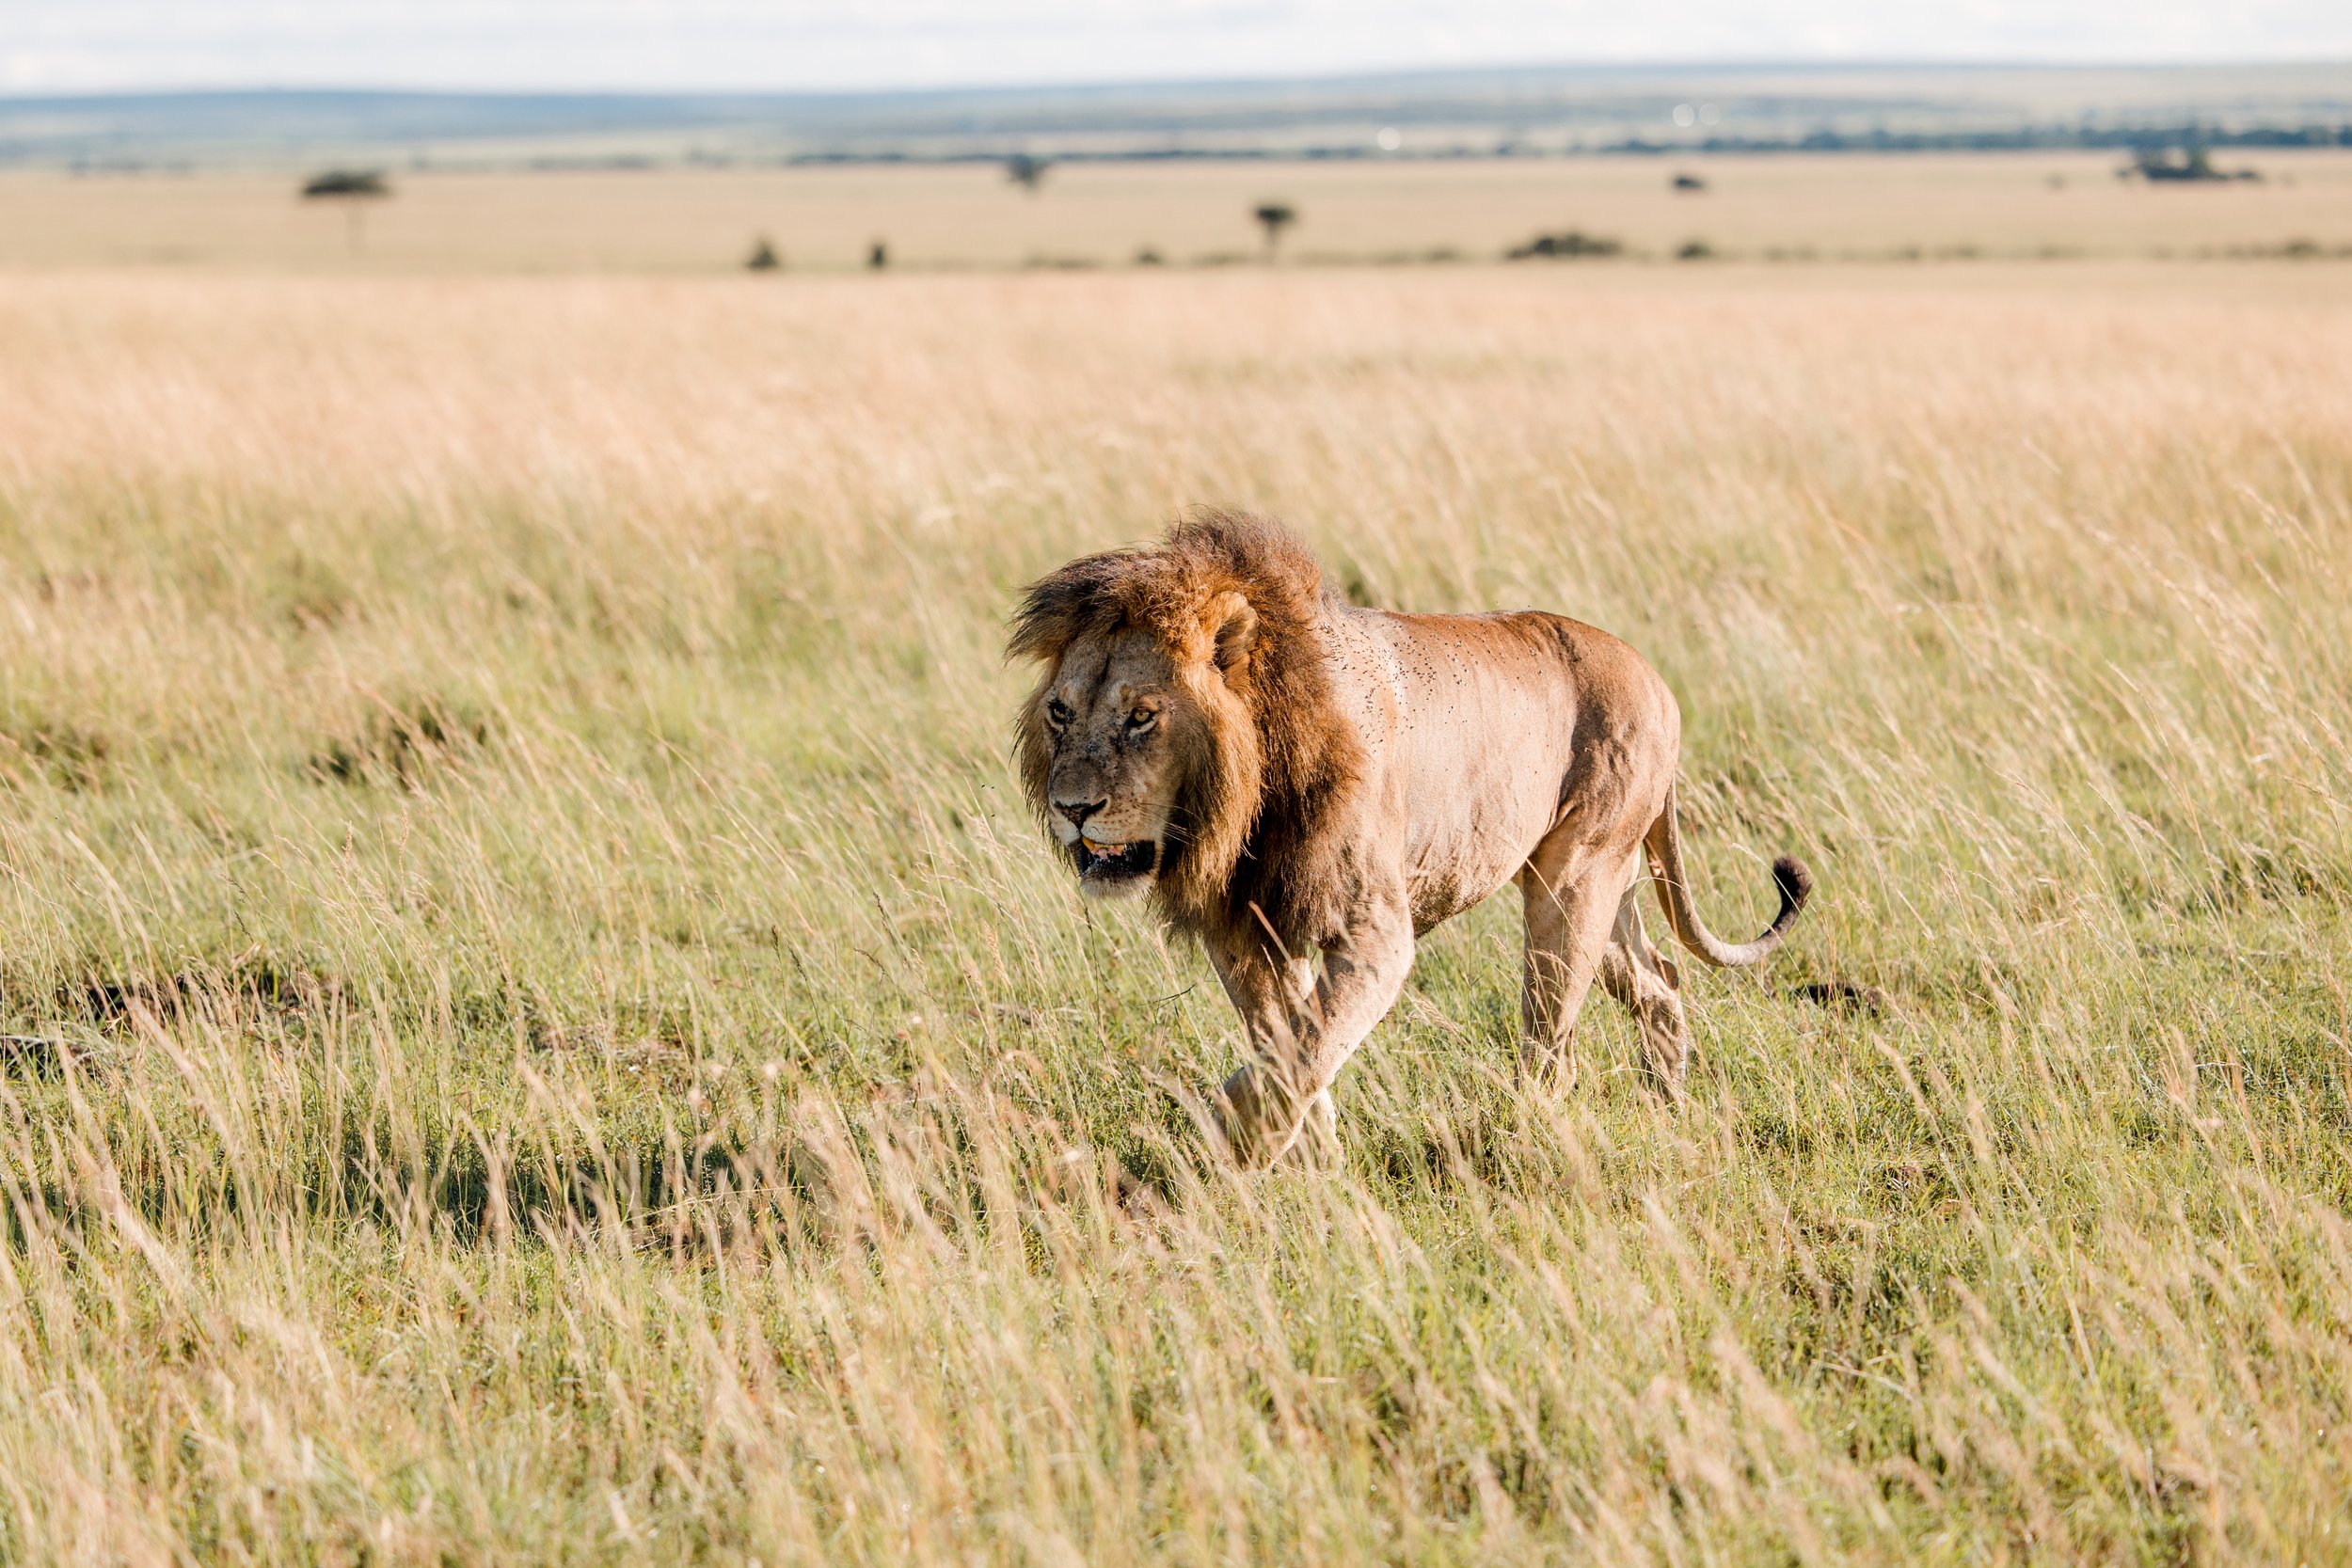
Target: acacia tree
<point>354,188</point>
<point>1026,170</point>
<point>1274,217</point>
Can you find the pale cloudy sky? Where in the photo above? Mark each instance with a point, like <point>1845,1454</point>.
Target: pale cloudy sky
<point>87,45</point>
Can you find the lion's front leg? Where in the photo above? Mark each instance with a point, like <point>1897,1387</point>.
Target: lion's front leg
<point>1275,995</point>
<point>1301,1035</point>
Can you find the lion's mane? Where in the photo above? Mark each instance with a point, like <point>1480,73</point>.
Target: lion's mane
<point>1262,805</point>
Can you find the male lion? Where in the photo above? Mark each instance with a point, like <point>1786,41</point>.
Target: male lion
<point>1286,775</point>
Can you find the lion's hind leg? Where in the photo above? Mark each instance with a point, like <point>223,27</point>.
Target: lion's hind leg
<point>1572,902</point>
<point>1637,974</point>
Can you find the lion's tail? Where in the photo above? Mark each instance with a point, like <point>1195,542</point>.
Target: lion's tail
<point>1674,894</point>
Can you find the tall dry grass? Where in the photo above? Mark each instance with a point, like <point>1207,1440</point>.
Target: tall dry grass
<point>538,1031</point>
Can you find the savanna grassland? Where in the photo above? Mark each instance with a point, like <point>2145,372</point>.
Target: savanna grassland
<point>1784,208</point>
<point>538,1030</point>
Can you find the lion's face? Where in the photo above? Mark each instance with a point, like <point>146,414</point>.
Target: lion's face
<point>1140,747</point>
<point>1119,726</point>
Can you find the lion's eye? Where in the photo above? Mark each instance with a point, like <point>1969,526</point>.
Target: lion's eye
<point>1141,719</point>
<point>1058,713</point>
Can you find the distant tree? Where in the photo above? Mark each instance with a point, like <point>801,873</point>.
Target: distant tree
<point>763,257</point>
<point>1149,257</point>
<point>347,181</point>
<point>354,188</point>
<point>1026,171</point>
<point>2191,165</point>
<point>1571,245</point>
<point>879,256</point>
<point>1689,182</point>
<point>1274,217</point>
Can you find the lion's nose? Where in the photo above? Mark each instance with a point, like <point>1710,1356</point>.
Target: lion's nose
<point>1079,811</point>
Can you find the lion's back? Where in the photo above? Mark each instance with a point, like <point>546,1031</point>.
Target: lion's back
<point>1483,677</point>
<point>1482,726</point>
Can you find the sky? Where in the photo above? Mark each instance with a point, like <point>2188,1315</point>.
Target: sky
<point>59,46</point>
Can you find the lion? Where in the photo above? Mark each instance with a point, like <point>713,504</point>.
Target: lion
<point>1288,778</point>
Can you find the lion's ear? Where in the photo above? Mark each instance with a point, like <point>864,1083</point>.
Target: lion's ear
<point>1236,628</point>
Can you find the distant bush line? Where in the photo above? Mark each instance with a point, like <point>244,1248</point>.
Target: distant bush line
<point>2022,140</point>
<point>1029,170</point>
<point>2030,138</point>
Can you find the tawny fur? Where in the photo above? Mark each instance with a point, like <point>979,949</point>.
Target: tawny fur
<point>1322,782</point>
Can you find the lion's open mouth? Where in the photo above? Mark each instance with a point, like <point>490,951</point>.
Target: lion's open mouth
<point>1113,862</point>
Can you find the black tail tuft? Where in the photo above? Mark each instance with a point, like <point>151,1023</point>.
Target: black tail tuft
<point>1796,886</point>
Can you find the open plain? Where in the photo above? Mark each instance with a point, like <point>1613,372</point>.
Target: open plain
<point>1788,207</point>
<point>536,1028</point>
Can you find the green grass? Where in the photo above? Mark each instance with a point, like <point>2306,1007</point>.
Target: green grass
<point>540,1031</point>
